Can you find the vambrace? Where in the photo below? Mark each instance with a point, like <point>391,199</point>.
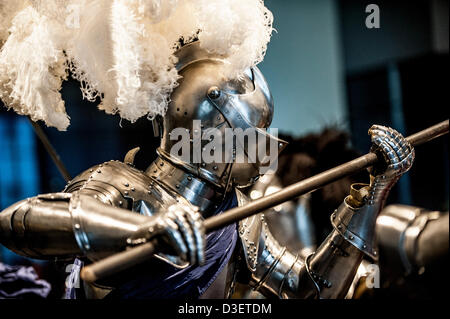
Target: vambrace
<point>327,273</point>
<point>39,227</point>
<point>66,225</point>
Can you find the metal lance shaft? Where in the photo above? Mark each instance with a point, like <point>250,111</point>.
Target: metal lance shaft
<point>134,256</point>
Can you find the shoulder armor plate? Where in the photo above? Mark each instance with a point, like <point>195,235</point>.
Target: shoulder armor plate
<point>121,185</point>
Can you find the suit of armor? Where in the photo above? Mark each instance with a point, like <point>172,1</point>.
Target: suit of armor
<point>113,206</point>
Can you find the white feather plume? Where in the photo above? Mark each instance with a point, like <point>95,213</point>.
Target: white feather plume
<point>121,51</point>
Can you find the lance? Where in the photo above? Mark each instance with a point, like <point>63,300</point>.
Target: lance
<point>51,150</point>
<point>131,257</point>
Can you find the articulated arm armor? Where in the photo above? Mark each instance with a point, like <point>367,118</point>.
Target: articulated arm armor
<point>329,272</point>
<point>103,211</point>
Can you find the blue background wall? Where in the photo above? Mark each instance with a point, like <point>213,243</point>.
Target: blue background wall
<point>304,66</point>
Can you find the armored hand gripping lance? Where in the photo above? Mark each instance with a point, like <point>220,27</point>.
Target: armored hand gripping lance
<point>131,257</point>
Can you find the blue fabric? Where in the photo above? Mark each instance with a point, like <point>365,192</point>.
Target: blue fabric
<point>19,282</point>
<point>163,281</point>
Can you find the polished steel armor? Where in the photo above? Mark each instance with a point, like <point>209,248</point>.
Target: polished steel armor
<point>205,94</point>
<point>113,205</point>
<point>411,237</point>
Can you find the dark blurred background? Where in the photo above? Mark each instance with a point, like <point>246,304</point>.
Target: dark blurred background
<point>325,68</point>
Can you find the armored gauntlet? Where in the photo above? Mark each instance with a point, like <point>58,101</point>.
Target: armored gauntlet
<point>356,218</point>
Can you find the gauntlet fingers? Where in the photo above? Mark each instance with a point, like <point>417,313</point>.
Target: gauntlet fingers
<point>174,236</point>
<point>187,234</point>
<point>387,137</point>
<point>397,151</point>
<point>402,142</point>
<point>382,145</point>
<point>196,221</point>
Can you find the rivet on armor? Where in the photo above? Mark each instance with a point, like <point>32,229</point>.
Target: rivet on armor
<point>133,189</point>
<point>189,178</point>
<point>178,186</point>
<point>214,93</point>
<point>351,237</point>
<point>126,193</point>
<point>99,171</point>
<point>87,247</point>
<point>91,170</point>
<point>77,226</point>
<point>339,226</point>
<point>203,165</point>
<point>120,203</point>
<point>215,168</point>
<point>364,246</point>
<point>126,184</point>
